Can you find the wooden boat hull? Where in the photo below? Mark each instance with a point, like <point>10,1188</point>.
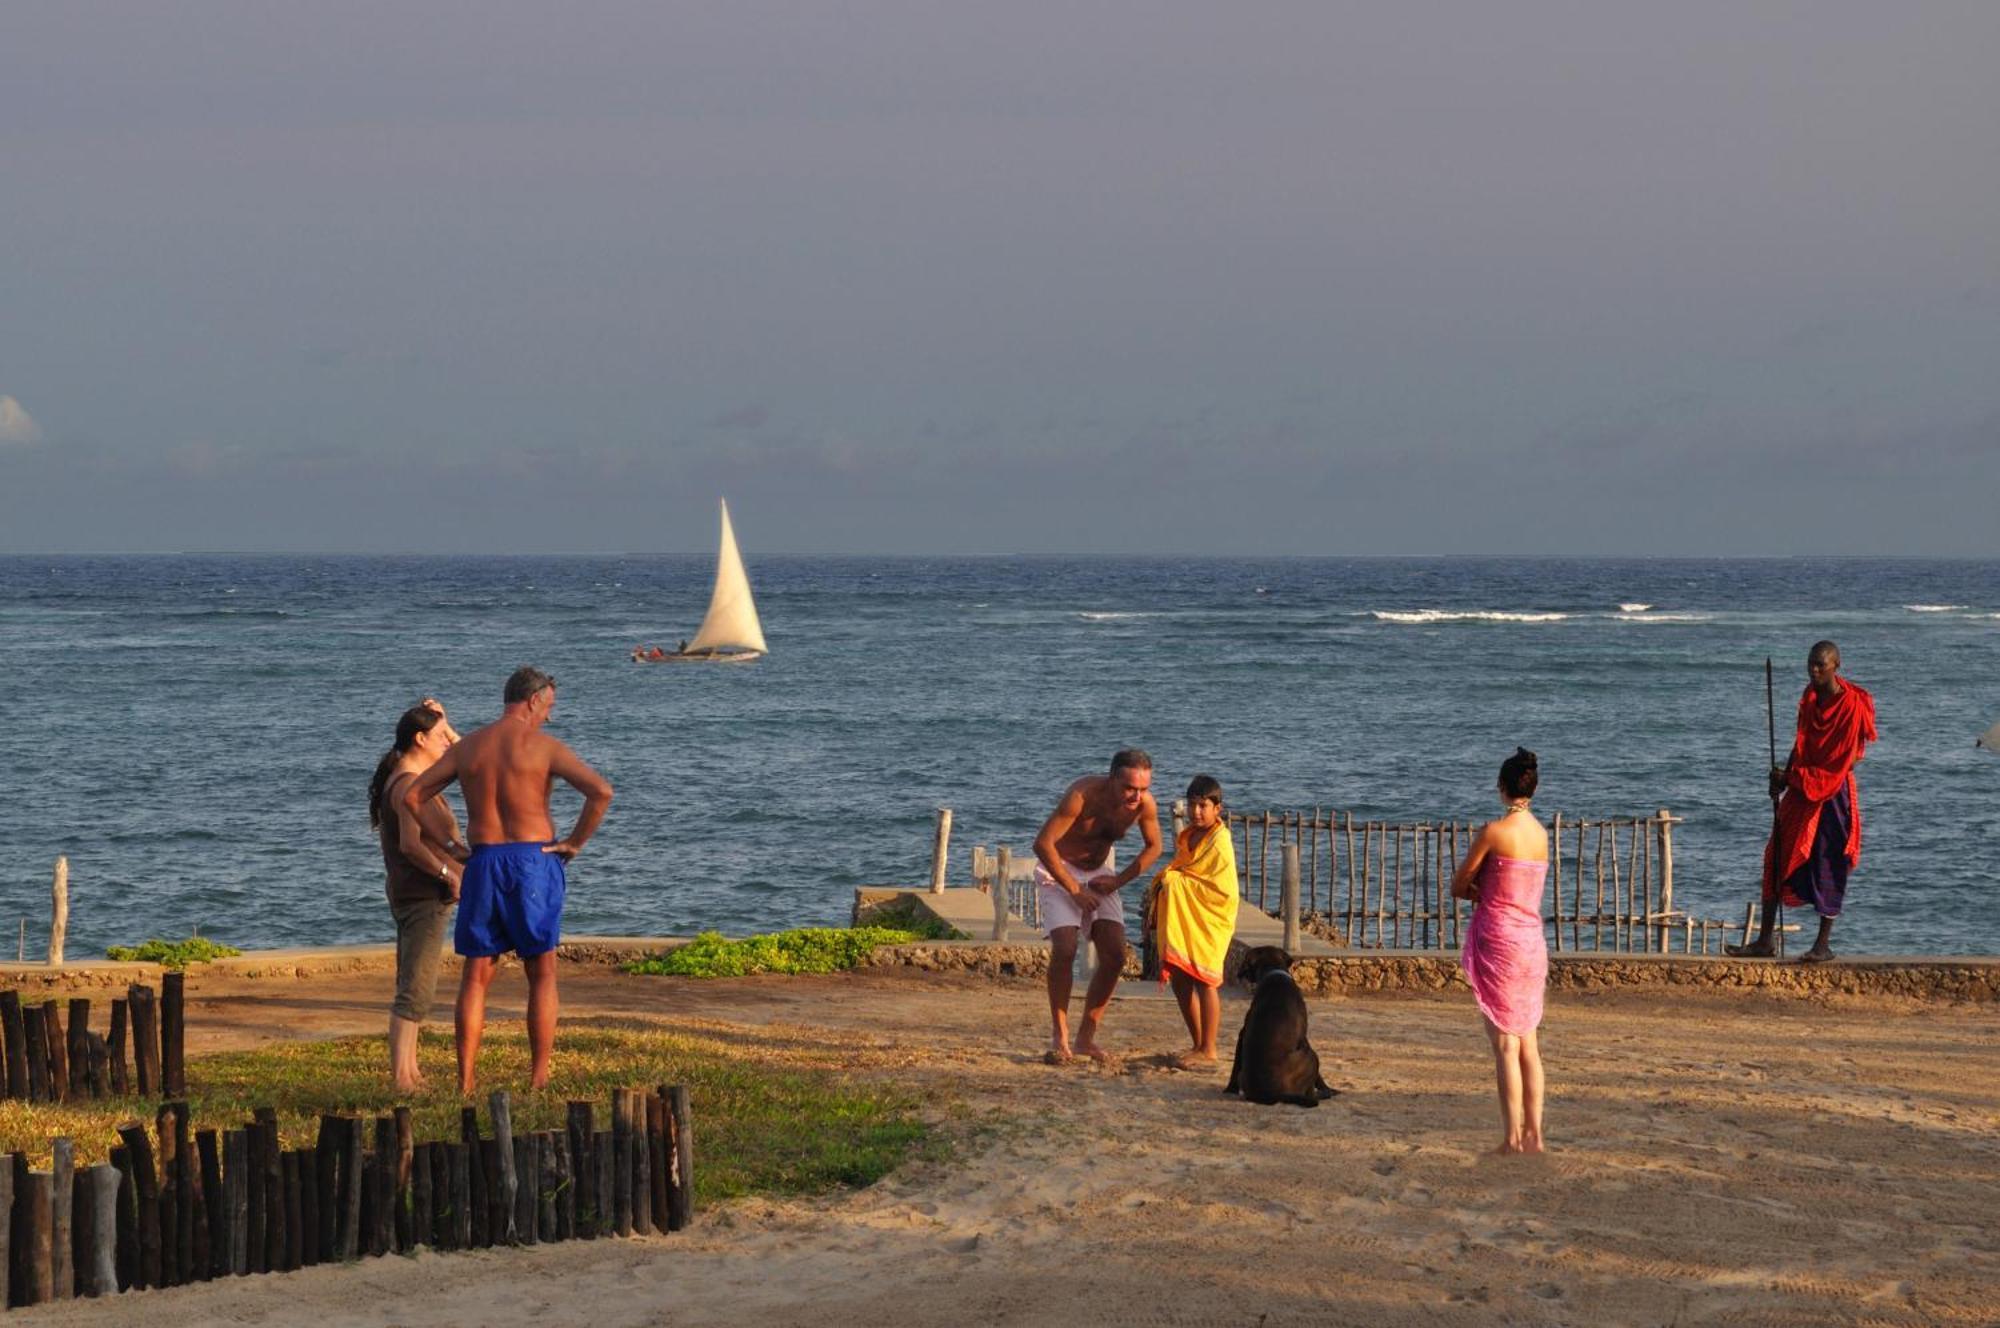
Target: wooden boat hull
<point>705,657</point>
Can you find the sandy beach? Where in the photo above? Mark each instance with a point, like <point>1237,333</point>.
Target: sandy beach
<point>1716,1158</point>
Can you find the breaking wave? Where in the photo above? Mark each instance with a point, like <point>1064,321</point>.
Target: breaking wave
<point>1934,608</point>
<point>1420,616</point>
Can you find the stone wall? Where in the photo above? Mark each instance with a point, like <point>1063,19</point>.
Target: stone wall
<point>1954,979</point>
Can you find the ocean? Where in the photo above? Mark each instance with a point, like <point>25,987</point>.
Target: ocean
<point>196,733</point>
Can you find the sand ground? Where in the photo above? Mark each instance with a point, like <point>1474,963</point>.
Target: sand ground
<point>1717,1158</point>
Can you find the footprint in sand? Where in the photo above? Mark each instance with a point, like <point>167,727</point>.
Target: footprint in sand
<point>1546,1291</point>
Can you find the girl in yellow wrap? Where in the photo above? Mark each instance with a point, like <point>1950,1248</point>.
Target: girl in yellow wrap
<point>1191,911</point>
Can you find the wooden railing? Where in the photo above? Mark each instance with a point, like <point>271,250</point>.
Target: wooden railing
<point>1387,884</point>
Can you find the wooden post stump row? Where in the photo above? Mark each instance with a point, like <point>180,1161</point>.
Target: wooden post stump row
<point>49,1059</point>
<point>175,1205</point>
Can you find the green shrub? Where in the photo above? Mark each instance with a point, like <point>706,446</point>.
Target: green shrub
<point>906,915</point>
<point>172,954</point>
<point>801,950</point>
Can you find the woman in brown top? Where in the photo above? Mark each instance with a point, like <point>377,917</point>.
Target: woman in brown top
<point>422,855</point>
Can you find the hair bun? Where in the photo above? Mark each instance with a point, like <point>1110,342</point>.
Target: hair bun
<point>1525,757</point>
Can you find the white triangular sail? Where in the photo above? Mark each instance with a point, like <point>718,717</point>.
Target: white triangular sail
<point>731,622</point>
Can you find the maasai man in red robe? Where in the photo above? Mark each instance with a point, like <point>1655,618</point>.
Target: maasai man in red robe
<point>1818,836</point>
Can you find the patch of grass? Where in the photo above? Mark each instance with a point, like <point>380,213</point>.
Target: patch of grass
<point>801,950</point>
<point>171,954</point>
<point>907,915</point>
<point>759,1128</point>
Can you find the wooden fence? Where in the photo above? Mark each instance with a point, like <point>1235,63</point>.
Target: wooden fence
<point>1387,884</point>
<point>164,1213</point>
<point>47,1063</point>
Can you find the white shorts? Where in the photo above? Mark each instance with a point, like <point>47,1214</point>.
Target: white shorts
<point>1059,908</point>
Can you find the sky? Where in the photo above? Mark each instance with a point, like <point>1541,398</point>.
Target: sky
<point>1160,278</point>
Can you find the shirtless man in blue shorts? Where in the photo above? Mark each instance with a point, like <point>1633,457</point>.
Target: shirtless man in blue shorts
<point>511,897</point>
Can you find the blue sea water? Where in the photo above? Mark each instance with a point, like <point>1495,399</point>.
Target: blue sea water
<point>196,732</point>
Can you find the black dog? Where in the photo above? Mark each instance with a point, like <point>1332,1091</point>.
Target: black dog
<point>1274,1062</point>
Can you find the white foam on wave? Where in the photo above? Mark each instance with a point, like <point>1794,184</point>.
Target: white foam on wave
<point>1663,617</point>
<point>1634,607</point>
<point>1934,608</point>
<point>1422,616</point>
<point>1089,615</point>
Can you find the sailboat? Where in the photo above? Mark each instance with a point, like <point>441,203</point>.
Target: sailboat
<point>729,631</point>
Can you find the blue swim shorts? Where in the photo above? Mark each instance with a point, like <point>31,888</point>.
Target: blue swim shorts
<point>512,899</point>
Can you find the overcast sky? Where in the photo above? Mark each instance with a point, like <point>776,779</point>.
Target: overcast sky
<point>1159,277</point>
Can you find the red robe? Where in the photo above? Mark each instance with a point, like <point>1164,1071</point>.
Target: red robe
<point>1831,737</point>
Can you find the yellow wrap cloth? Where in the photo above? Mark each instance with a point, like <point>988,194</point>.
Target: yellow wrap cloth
<point>1193,908</point>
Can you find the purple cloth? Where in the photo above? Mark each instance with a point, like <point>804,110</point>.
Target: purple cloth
<point>1821,884</point>
<point>1505,957</point>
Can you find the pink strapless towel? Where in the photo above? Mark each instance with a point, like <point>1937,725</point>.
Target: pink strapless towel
<point>1505,956</point>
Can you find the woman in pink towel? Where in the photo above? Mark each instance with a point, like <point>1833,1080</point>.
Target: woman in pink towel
<point>1505,956</point>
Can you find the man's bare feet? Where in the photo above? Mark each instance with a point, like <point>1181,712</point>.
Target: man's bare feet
<point>1816,956</point>
<point>1754,950</point>
<point>1094,1052</point>
<point>1057,1056</point>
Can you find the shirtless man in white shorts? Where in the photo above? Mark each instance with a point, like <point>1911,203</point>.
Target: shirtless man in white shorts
<point>1077,884</point>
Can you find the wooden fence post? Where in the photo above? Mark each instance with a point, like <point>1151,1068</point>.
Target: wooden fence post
<point>1288,894</point>
<point>9,1164</point>
<point>419,1228</point>
<point>216,1212</point>
<point>405,1145</point>
<point>353,1137</point>
<point>269,1162</point>
<point>1002,870</point>
<point>35,1238</point>
<point>114,1046</point>
<point>83,1235</point>
<point>38,1056</point>
<point>52,1033</point>
<point>642,1165</point>
<point>659,1173</point>
<point>463,1162</point>
<point>505,1203</point>
<point>382,1232</point>
<point>680,1194</point>
<point>78,1041</point>
<point>236,1199</point>
<point>526,1165</point>
<point>583,1174</point>
<point>621,1153</point>
<point>146,1184</point>
<point>1667,823</point>
<point>940,850</point>
<point>444,1222</point>
<point>140,1001</point>
<point>13,1022</point>
<point>173,1035</point>
<point>561,1176</point>
<point>62,1213</point>
<point>58,912</point>
<point>104,1182</point>
<point>184,1204</point>
<point>604,1159</point>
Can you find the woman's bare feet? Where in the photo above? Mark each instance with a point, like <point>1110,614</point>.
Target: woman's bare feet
<point>1194,1060</point>
<point>1057,1054</point>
